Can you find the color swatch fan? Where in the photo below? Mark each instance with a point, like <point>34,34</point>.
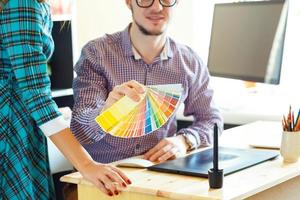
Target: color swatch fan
<point>127,118</point>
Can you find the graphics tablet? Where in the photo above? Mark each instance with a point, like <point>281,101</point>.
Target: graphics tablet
<point>230,159</point>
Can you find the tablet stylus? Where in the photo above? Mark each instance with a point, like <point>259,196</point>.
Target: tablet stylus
<point>215,175</point>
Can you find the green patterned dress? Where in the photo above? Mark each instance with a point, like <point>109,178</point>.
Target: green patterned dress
<point>25,99</point>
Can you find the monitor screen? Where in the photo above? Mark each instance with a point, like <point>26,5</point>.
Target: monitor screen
<point>60,65</point>
<point>247,40</point>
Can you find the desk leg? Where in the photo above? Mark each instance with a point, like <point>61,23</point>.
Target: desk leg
<point>92,193</point>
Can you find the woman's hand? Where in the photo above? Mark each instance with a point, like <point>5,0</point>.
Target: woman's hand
<point>109,179</point>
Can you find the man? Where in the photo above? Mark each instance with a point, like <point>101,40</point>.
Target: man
<point>120,64</point>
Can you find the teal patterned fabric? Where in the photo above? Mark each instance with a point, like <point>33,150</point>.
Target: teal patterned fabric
<point>25,100</point>
<point>2,4</point>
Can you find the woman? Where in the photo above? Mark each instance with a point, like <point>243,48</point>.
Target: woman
<point>28,113</point>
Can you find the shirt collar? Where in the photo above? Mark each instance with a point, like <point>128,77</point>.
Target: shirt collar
<point>163,54</point>
<point>131,51</point>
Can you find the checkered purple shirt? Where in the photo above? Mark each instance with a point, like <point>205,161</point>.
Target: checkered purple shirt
<point>109,61</point>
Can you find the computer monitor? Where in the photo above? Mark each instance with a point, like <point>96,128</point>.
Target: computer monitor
<point>60,65</point>
<point>247,40</point>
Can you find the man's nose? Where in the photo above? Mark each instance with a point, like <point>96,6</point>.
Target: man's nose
<point>156,5</point>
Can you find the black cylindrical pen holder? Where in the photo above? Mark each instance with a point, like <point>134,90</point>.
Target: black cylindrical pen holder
<point>215,178</point>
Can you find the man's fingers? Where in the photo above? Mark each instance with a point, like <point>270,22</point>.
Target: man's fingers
<point>154,149</point>
<point>118,90</point>
<point>126,89</point>
<point>170,154</point>
<point>131,93</point>
<point>137,86</point>
<point>160,152</point>
<point>132,89</point>
<point>115,95</point>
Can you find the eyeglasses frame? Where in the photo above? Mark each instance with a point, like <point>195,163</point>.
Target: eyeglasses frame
<point>160,1</point>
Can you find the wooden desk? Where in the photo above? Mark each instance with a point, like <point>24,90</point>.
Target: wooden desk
<point>269,180</point>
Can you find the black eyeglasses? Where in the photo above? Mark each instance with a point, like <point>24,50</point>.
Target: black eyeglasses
<point>149,3</point>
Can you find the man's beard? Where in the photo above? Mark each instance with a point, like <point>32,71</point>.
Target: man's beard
<point>147,32</point>
<point>143,29</point>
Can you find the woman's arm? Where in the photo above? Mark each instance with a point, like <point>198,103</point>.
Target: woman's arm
<point>102,176</point>
<point>22,35</point>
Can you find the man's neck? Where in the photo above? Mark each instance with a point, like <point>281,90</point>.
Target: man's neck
<point>149,47</point>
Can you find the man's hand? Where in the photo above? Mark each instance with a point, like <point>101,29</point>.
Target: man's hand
<point>132,89</point>
<point>167,148</point>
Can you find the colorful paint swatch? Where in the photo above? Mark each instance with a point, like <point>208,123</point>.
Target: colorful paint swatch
<point>127,118</point>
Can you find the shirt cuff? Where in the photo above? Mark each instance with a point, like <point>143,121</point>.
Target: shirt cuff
<point>54,126</point>
<point>190,139</point>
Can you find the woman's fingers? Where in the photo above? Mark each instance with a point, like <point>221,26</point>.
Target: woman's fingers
<point>120,177</point>
<point>110,184</point>
<point>109,180</point>
<point>100,185</point>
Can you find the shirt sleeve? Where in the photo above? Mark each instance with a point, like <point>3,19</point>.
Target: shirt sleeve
<point>200,104</point>
<point>90,93</point>
<point>23,32</point>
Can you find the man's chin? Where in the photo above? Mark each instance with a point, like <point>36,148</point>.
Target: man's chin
<point>152,32</point>
<point>155,33</point>
<point>156,30</point>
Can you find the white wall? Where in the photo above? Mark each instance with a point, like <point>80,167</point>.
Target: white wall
<point>98,17</point>
<point>191,25</point>
<point>291,62</point>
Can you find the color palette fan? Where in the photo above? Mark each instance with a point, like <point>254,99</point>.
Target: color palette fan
<point>127,118</point>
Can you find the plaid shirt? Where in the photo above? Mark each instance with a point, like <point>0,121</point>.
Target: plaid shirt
<point>2,4</point>
<point>25,100</point>
<point>110,61</point>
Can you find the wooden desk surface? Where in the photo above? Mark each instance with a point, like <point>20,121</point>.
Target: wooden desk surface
<point>239,185</point>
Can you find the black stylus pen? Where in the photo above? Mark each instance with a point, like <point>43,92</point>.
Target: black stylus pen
<point>215,175</point>
<point>216,149</point>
